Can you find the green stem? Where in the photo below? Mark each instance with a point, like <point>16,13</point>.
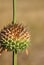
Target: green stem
<point>14,58</point>
<point>14,20</point>
<point>14,11</point>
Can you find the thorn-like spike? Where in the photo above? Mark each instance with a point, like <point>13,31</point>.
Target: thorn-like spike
<point>5,49</point>
<point>27,52</point>
<point>0,54</point>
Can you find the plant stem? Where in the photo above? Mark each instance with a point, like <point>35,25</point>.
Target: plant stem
<point>14,20</point>
<point>14,11</point>
<point>14,58</point>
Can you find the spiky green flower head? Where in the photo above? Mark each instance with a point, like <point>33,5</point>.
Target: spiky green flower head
<point>14,37</point>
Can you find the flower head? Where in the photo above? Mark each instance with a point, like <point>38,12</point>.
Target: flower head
<point>14,37</point>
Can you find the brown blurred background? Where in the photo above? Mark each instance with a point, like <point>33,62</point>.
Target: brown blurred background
<point>31,14</point>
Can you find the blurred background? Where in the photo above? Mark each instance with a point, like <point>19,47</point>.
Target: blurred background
<point>31,14</point>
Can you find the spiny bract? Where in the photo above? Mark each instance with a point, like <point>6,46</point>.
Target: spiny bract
<point>14,37</point>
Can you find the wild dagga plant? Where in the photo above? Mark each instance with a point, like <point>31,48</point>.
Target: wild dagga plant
<point>14,37</point>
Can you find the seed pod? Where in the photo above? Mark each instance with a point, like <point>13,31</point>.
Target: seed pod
<point>14,37</point>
